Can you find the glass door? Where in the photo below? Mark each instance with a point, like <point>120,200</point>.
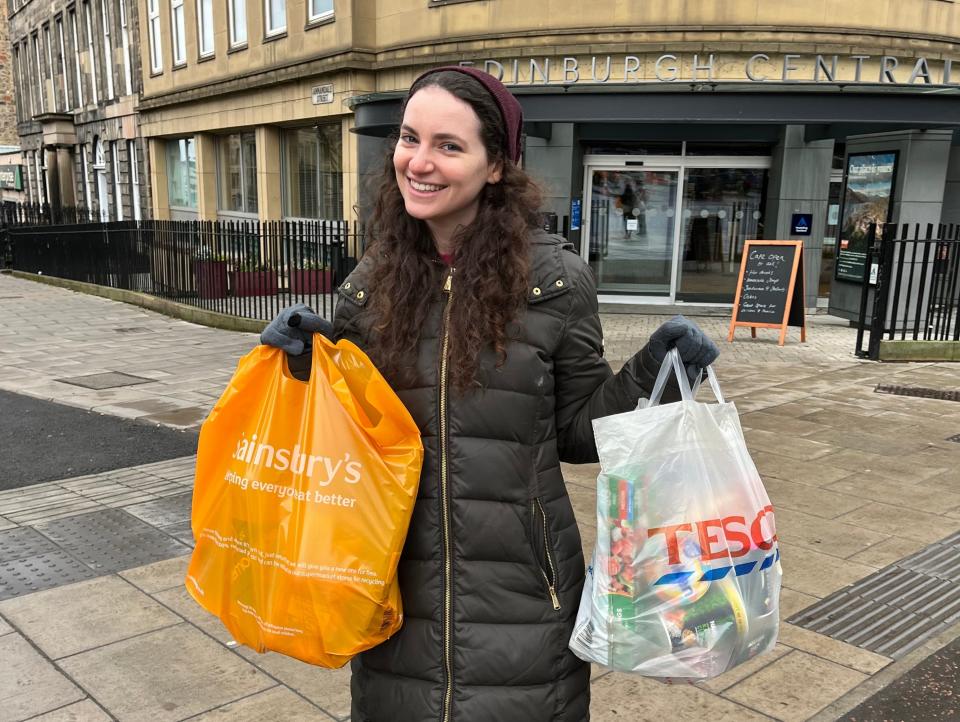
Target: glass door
<point>722,209</point>
<point>631,230</point>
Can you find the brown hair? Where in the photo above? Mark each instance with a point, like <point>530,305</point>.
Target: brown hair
<point>492,254</point>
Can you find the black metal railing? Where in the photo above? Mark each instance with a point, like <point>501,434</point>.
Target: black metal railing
<point>242,268</point>
<point>916,295</point>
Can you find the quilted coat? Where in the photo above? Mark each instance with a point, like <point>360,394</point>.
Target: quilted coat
<point>492,569</point>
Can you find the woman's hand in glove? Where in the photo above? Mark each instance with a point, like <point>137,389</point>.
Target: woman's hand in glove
<point>293,328</point>
<point>696,350</point>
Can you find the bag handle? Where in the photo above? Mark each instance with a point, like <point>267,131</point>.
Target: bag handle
<point>671,362</point>
<point>714,384</point>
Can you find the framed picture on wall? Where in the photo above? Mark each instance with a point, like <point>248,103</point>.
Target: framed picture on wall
<point>867,198</point>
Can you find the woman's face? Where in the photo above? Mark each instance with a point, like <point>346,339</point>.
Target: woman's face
<point>440,161</point>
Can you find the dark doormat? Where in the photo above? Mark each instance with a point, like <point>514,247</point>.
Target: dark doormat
<point>44,441</point>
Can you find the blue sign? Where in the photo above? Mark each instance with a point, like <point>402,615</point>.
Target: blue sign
<point>801,224</point>
<point>575,214</point>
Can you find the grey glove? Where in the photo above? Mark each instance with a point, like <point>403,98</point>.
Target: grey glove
<point>293,329</point>
<point>696,350</point>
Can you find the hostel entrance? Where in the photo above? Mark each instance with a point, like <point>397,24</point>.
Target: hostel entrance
<point>665,229</point>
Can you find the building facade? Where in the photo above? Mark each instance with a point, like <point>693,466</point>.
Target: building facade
<point>77,81</point>
<point>665,135</point>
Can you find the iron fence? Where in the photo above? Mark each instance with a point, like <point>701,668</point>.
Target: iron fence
<point>249,269</point>
<point>916,295</point>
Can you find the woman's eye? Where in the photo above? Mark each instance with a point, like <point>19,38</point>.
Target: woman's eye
<point>452,147</point>
<point>408,139</point>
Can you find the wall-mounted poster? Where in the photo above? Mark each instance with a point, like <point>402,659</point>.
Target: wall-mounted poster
<point>866,199</point>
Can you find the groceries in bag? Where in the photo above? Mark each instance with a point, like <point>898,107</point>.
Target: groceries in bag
<point>685,577</point>
<point>301,505</point>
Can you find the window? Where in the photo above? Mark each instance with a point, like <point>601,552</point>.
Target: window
<point>50,73</point>
<point>177,29</point>
<point>276,16</point>
<point>76,54</point>
<point>18,86</point>
<point>313,172</point>
<point>38,67</point>
<point>205,27</point>
<point>237,10</point>
<point>134,179</point>
<point>117,195</point>
<point>156,49</point>
<point>320,9</point>
<point>237,172</point>
<point>107,48</point>
<point>41,176</point>
<point>125,40</point>
<point>92,56</point>
<point>62,66</point>
<point>182,173</point>
<point>86,176</point>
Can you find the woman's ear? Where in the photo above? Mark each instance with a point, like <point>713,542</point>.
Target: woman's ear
<point>495,172</point>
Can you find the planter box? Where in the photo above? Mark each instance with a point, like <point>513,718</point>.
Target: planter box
<point>211,278</point>
<point>254,283</point>
<point>311,280</point>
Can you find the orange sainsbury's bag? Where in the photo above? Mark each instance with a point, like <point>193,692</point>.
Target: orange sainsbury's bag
<point>301,504</point>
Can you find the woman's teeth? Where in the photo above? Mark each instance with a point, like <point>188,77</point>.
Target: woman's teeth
<point>425,187</point>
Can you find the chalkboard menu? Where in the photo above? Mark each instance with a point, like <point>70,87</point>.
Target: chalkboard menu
<point>768,292</point>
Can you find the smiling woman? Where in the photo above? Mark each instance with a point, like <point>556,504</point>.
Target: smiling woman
<point>487,329</point>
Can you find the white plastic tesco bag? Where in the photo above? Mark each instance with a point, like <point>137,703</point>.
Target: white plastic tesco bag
<point>685,579</point>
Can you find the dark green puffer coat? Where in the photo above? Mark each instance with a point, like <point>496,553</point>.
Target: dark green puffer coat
<point>492,569</point>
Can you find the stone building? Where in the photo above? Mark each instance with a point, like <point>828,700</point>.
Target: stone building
<point>666,134</point>
<point>77,77</point>
<point>8,110</point>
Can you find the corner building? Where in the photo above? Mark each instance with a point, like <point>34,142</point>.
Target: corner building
<point>77,83</point>
<point>666,135</point>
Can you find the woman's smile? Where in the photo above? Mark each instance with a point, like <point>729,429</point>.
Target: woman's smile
<point>425,189</point>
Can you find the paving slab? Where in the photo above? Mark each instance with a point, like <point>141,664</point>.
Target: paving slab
<point>818,574</point>
<point>179,600</point>
<point>278,703</point>
<point>828,536</point>
<point>903,493</point>
<point>809,499</point>
<point>328,689</point>
<point>895,520</point>
<point>616,697</point>
<point>29,684</point>
<point>888,551</point>
<point>836,651</point>
<point>82,616</point>
<point>85,711</point>
<point>158,576</point>
<point>795,687</point>
<point>164,675</point>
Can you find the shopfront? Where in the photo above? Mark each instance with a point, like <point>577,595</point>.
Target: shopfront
<point>668,228</point>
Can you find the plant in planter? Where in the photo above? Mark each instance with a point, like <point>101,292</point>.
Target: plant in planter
<point>254,279</point>
<point>210,272</point>
<point>311,277</point>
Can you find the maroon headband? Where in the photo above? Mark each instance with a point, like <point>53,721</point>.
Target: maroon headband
<point>510,108</point>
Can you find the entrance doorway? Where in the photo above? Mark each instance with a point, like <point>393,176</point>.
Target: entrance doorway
<point>671,228</point>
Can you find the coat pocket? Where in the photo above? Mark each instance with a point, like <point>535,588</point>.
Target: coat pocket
<point>542,544</point>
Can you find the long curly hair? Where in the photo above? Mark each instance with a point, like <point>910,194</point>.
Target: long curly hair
<point>491,256</point>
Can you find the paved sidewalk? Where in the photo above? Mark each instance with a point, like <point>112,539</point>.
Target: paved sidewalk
<point>860,481</point>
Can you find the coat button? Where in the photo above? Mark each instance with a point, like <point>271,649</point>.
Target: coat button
<point>346,286</point>
<point>536,292</point>
<point>359,295</point>
<point>559,283</point>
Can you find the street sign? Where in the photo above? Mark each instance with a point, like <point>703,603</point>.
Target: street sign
<point>322,94</point>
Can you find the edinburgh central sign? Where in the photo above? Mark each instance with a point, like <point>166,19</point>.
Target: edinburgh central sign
<point>719,68</point>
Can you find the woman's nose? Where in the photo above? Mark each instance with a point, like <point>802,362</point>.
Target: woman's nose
<point>421,161</point>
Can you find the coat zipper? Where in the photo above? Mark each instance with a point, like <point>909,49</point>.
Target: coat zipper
<point>445,504</point>
<point>552,579</point>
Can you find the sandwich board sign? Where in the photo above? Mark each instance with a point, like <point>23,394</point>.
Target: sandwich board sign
<point>770,289</point>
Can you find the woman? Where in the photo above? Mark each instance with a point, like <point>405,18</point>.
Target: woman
<point>487,329</point>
